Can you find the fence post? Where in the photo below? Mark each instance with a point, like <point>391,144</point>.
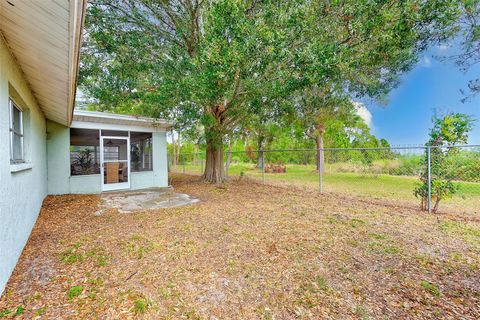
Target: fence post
<point>225,158</point>
<point>263,166</point>
<point>429,179</point>
<point>168,162</point>
<point>320,172</point>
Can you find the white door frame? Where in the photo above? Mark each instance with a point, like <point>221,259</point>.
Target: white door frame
<point>120,185</point>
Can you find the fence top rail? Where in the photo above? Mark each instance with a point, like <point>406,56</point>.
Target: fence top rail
<point>343,149</point>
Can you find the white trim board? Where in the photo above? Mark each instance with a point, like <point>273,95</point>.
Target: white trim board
<point>119,127</point>
<point>119,119</point>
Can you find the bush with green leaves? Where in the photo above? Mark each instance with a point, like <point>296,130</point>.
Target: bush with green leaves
<point>446,134</point>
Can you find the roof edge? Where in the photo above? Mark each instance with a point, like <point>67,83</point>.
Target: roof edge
<point>77,20</point>
<point>113,118</point>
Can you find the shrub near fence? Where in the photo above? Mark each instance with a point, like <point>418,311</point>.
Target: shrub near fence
<point>389,174</point>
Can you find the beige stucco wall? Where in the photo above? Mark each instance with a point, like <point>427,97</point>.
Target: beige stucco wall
<point>21,191</point>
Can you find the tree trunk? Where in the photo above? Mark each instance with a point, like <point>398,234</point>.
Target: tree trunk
<point>214,168</point>
<point>214,136</point>
<point>320,152</point>
<point>435,208</point>
<point>260,157</point>
<point>229,157</point>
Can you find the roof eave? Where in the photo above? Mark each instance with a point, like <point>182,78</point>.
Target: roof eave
<point>77,16</point>
<point>112,118</point>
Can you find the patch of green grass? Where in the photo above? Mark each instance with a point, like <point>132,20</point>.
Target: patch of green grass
<point>355,222</point>
<point>361,312</point>
<point>41,311</point>
<point>469,232</point>
<point>312,291</point>
<point>390,270</point>
<point>430,287</point>
<point>137,247</point>
<point>140,306</point>
<point>71,256</point>
<point>164,292</point>
<point>391,249</point>
<point>377,236</point>
<point>319,284</point>
<point>424,259</point>
<point>381,247</point>
<point>18,311</point>
<point>5,312</point>
<point>74,292</point>
<point>102,260</point>
<point>332,220</point>
<point>360,184</point>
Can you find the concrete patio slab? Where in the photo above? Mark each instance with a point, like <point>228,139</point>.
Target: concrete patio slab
<point>148,199</point>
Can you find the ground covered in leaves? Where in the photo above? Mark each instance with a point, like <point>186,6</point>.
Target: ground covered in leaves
<point>247,251</point>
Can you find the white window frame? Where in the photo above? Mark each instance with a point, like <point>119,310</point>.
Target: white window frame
<point>20,134</point>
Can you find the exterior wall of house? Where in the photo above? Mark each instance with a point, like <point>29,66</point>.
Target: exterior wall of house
<point>159,176</point>
<point>58,151</point>
<point>160,164</point>
<point>23,186</point>
<point>60,181</point>
<point>87,184</point>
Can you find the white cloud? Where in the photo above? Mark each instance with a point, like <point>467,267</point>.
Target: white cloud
<point>364,113</point>
<point>426,62</point>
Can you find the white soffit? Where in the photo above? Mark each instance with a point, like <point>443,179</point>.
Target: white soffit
<point>44,37</point>
<point>119,119</point>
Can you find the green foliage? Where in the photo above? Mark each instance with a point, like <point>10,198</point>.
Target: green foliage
<point>468,32</point>
<point>74,292</point>
<point>451,129</point>
<point>140,306</point>
<point>227,65</point>
<point>430,287</point>
<point>41,311</point>
<point>85,161</point>
<point>19,311</point>
<point>5,312</point>
<point>447,132</point>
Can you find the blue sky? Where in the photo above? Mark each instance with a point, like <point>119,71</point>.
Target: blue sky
<point>431,85</point>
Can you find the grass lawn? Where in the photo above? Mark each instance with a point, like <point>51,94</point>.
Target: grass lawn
<point>381,186</point>
<point>247,251</point>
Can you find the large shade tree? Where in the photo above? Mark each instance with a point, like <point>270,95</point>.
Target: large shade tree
<point>468,27</point>
<point>316,108</point>
<point>206,61</point>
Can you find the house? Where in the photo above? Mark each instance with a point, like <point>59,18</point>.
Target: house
<point>45,146</point>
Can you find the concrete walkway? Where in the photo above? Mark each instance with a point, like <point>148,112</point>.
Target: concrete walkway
<point>130,201</point>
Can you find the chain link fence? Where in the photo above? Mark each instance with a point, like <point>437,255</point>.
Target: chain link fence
<point>435,179</point>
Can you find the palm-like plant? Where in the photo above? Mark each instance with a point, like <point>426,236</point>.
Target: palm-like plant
<point>85,161</point>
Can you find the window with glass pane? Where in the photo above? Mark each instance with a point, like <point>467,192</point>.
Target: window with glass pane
<point>16,134</point>
<point>84,152</point>
<point>141,151</point>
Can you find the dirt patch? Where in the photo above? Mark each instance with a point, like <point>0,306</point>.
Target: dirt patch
<point>247,251</point>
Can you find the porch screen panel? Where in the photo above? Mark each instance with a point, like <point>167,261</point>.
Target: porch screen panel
<point>141,151</point>
<point>84,152</point>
